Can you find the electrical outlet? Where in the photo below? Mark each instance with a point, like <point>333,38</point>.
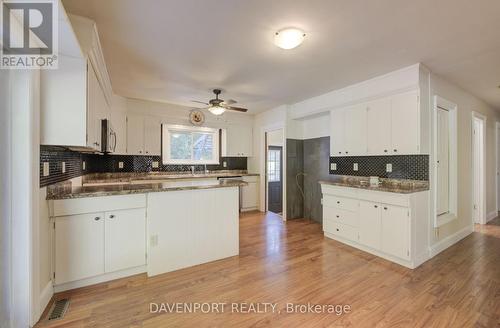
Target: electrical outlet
<point>84,165</point>
<point>224,164</point>
<point>120,165</point>
<point>153,240</point>
<point>46,167</point>
<point>155,165</point>
<point>388,167</point>
<point>333,166</point>
<point>63,168</point>
<point>355,166</point>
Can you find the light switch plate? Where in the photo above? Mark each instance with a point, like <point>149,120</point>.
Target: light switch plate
<point>388,167</point>
<point>120,165</point>
<point>46,167</point>
<point>355,166</point>
<point>333,166</point>
<point>84,165</point>
<point>155,165</point>
<point>224,164</point>
<point>63,167</point>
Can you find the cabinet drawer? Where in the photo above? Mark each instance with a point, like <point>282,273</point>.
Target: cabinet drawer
<point>341,216</point>
<point>347,204</point>
<point>341,230</point>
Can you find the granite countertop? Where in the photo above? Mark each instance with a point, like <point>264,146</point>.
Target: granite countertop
<point>103,178</point>
<point>400,186</point>
<point>67,191</point>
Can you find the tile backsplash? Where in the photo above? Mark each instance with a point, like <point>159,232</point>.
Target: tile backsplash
<point>95,163</point>
<point>414,167</point>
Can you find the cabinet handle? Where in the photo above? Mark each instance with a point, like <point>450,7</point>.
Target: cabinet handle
<point>376,206</point>
<point>385,208</point>
<point>385,150</point>
<point>347,152</point>
<point>337,229</point>
<point>338,202</point>
<point>338,216</point>
<point>147,152</point>
<point>111,216</point>
<point>97,218</point>
<point>395,150</point>
<point>340,152</point>
<point>140,151</point>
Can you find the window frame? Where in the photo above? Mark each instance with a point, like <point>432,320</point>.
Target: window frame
<point>166,132</point>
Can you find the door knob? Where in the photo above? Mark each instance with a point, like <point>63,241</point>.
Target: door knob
<point>111,216</point>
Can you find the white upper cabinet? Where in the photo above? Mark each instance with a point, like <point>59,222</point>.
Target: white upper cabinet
<point>379,126</point>
<point>143,135</point>
<point>405,117</point>
<point>237,141</point>
<point>119,121</point>
<point>386,126</point>
<point>337,140</point>
<point>355,131</point>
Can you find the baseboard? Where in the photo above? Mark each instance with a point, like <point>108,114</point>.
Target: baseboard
<point>450,240</point>
<point>45,297</point>
<point>98,279</point>
<point>491,216</point>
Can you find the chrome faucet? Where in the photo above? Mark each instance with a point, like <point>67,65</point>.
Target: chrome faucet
<point>206,171</point>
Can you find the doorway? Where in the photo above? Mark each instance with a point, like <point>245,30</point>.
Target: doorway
<point>478,169</point>
<point>274,171</point>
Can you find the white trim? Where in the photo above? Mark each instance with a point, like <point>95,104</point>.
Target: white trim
<point>45,297</point>
<point>101,278</point>
<point>491,216</point>
<point>450,240</point>
<point>497,167</point>
<point>484,119</point>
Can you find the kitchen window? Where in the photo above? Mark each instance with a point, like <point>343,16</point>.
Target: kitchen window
<point>189,145</point>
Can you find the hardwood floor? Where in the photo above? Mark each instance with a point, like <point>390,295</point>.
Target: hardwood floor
<point>293,263</point>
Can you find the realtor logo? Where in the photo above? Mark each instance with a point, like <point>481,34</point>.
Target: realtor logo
<point>29,39</point>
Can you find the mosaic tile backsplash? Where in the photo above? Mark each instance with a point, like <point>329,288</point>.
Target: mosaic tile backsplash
<point>95,163</point>
<point>414,167</point>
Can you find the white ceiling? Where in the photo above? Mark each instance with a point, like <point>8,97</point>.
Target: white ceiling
<point>175,51</point>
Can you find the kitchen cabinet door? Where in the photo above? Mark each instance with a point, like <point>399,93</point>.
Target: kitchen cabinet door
<point>93,129</point>
<point>337,128</point>
<point>119,121</point>
<point>396,231</point>
<point>152,136</point>
<point>369,224</point>
<point>405,124</point>
<point>135,134</point>
<point>125,239</point>
<point>355,130</point>
<point>237,141</point>
<point>379,127</point>
<point>249,193</point>
<point>79,247</point>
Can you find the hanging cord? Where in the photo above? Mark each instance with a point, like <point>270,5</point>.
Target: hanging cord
<point>300,189</point>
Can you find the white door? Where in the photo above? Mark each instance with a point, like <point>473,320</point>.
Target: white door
<point>405,124</point>
<point>152,136</point>
<point>355,130</point>
<point>396,231</point>
<point>443,159</point>
<point>379,127</point>
<point>125,239</point>
<point>79,247</point>
<point>337,126</point>
<point>369,224</point>
<point>135,135</point>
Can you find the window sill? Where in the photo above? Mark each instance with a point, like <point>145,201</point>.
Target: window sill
<point>191,163</point>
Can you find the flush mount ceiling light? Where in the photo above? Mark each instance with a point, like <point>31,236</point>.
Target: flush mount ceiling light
<point>289,38</point>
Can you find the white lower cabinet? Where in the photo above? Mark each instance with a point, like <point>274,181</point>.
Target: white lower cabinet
<point>377,222</point>
<point>79,247</point>
<point>109,239</point>
<point>250,194</point>
<point>124,239</point>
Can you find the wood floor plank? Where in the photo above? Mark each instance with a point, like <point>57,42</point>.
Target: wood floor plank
<point>291,262</point>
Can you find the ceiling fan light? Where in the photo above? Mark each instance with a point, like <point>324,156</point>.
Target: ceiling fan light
<point>217,110</point>
<point>289,38</point>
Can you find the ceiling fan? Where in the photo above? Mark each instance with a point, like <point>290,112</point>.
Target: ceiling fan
<point>219,106</point>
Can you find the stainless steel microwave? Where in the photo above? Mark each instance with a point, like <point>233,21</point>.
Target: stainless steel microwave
<point>108,135</point>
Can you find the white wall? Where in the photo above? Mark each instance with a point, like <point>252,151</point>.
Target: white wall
<point>275,138</point>
<point>466,104</point>
<point>316,126</point>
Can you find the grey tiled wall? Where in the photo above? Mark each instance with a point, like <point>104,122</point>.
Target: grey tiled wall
<point>294,166</point>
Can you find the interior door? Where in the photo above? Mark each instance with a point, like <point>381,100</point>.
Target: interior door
<point>275,179</point>
<point>379,126</point>
<point>443,159</point>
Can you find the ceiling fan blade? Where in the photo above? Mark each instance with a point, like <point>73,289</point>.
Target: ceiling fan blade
<point>237,109</point>
<point>229,102</point>
<point>200,102</point>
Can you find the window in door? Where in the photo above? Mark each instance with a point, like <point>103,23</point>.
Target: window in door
<point>274,165</point>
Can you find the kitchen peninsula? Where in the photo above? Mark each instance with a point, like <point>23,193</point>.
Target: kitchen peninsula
<point>111,230</point>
